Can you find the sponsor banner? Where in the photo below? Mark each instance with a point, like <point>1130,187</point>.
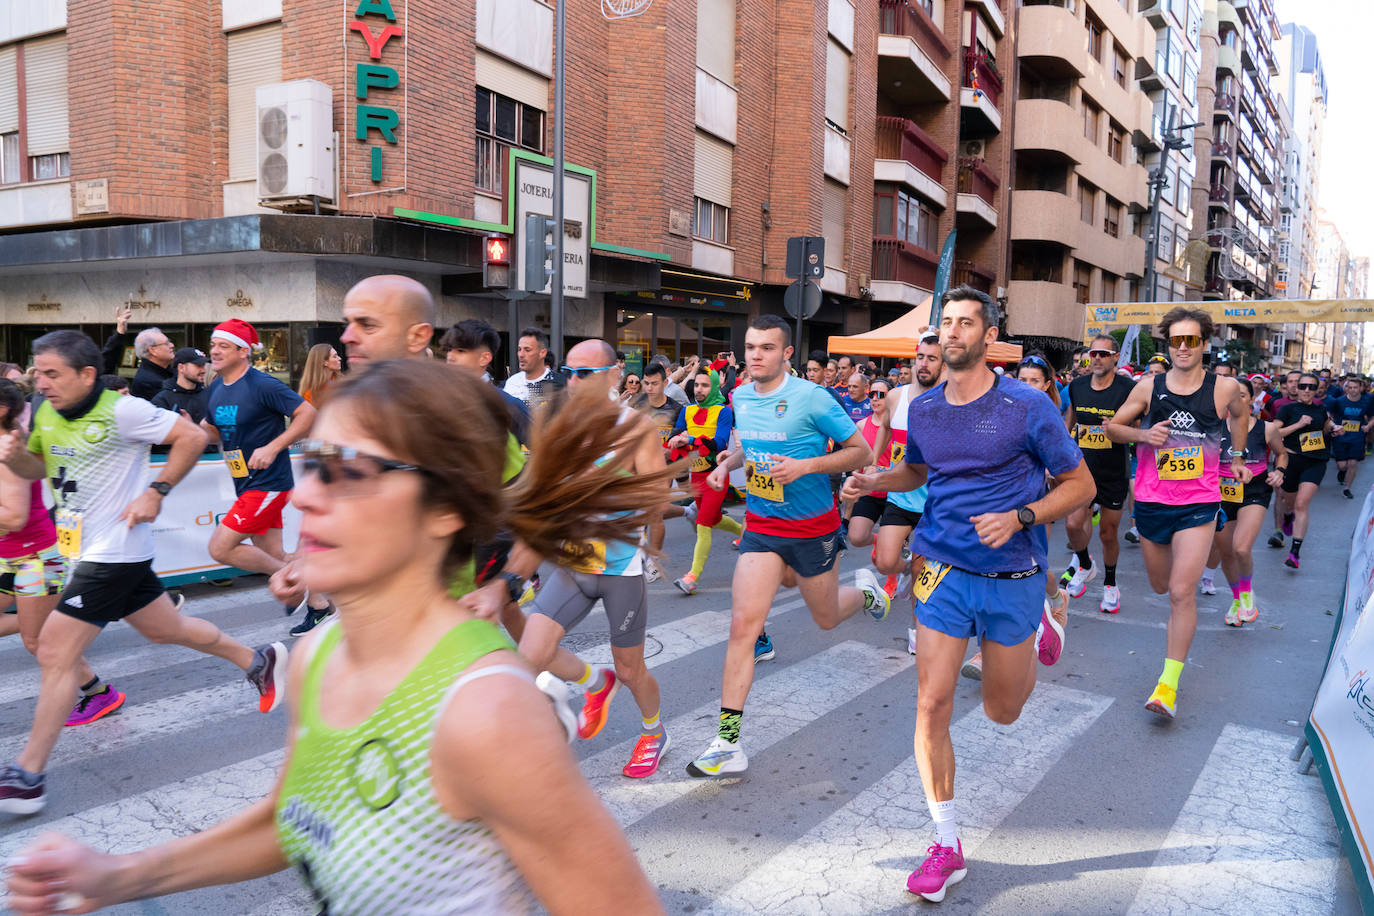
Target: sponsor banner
<point>1340,729</point>
<point>1099,319</point>
<point>190,514</point>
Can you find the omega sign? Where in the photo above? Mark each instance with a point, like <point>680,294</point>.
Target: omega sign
<point>368,78</point>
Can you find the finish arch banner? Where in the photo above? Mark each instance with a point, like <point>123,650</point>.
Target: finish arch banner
<point>1340,728</point>
<point>1099,318</point>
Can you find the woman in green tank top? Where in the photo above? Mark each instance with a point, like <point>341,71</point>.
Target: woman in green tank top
<point>431,776</point>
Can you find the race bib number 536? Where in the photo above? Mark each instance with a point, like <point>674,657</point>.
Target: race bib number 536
<point>1183,462</point>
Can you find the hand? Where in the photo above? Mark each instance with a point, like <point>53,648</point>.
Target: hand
<point>11,445</point>
<point>1240,472</point>
<point>122,315</point>
<point>1158,434</point>
<point>996,528</point>
<point>1304,420</point>
<point>487,602</point>
<point>678,441</point>
<point>262,458</point>
<point>1275,478</point>
<point>144,508</point>
<point>786,470</point>
<point>287,584</point>
<point>718,478</point>
<point>858,484</point>
<point>59,875</point>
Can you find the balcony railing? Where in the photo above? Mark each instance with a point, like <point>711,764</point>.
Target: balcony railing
<point>899,138</point>
<point>1222,150</point>
<point>1225,104</point>
<point>897,17</point>
<point>894,259</point>
<point>985,69</point>
<point>1219,195</point>
<point>976,178</point>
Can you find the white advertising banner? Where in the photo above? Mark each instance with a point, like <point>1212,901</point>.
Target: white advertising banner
<point>534,195</point>
<point>181,533</point>
<point>1340,730</point>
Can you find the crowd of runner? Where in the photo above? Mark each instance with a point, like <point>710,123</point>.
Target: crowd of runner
<point>430,498</point>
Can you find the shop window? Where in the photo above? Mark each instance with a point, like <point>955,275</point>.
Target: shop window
<point>9,157</point>
<point>502,123</point>
<point>53,165</point>
<point>711,222</point>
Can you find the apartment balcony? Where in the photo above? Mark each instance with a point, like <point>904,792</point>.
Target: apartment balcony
<point>1219,197</point>
<point>1046,216</point>
<point>1227,15</point>
<point>1228,61</point>
<point>1051,126</point>
<point>1223,150</point>
<point>1156,11</point>
<point>1224,107</point>
<point>976,203</point>
<point>982,89</point>
<point>1043,308</point>
<point>1051,38</point>
<point>992,12</point>
<point>1241,190</point>
<point>907,155</point>
<point>912,54</point>
<point>972,274</point>
<point>899,262</point>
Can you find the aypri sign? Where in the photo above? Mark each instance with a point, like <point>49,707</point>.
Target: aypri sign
<point>368,77</point>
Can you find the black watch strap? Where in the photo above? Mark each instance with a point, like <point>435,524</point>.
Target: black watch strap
<point>515,586</point>
<point>162,487</point>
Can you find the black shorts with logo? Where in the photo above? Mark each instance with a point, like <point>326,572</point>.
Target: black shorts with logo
<point>870,507</point>
<point>1112,490</point>
<point>101,593</point>
<point>895,516</point>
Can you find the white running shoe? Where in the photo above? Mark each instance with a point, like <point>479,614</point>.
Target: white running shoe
<point>911,640</point>
<point>1207,585</point>
<point>903,592</point>
<point>1079,583</point>
<point>689,512</point>
<point>1069,571</point>
<point>651,571</point>
<point>719,758</point>
<point>876,601</point>
<point>560,695</point>
<point>1132,535</point>
<point>1111,599</point>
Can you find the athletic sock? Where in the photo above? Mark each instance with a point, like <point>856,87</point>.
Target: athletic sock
<point>1236,590</point>
<point>1288,518</point>
<point>1246,584</point>
<point>29,779</point>
<point>1085,560</point>
<point>1297,546</point>
<point>92,687</point>
<point>1172,669</point>
<point>652,726</point>
<point>592,684</point>
<point>701,551</point>
<point>729,724</point>
<point>946,827</point>
<point>1109,575</point>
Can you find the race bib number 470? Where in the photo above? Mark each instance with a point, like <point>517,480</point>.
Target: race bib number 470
<point>1093,437</point>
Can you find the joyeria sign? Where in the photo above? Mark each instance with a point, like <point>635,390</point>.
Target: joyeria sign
<point>371,77</point>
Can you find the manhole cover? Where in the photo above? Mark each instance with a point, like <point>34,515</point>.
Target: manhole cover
<point>595,648</point>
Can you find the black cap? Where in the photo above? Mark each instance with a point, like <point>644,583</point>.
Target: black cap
<point>189,355</point>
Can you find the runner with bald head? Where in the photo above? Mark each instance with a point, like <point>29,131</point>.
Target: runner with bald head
<point>387,317</point>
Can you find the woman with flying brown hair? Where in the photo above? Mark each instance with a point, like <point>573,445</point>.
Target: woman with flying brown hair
<point>323,367</point>
<point>425,772</point>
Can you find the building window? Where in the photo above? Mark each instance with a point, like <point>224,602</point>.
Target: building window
<point>1082,281</point>
<point>1123,64</point>
<point>711,222</point>
<point>906,217</point>
<point>1096,30</point>
<point>1087,197</point>
<point>1116,142</point>
<point>502,122</point>
<point>1111,224</point>
<point>9,157</point>
<point>1090,117</point>
<point>53,165</point>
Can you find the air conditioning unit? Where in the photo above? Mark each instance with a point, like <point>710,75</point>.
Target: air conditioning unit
<point>295,140</point>
<point>974,149</point>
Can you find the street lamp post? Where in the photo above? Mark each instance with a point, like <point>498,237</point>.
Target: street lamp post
<point>1159,179</point>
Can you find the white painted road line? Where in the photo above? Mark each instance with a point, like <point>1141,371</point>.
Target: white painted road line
<point>857,860</point>
<point>1255,836</point>
<point>779,706</point>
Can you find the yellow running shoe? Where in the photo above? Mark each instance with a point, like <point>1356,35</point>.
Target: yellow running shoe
<point>1248,612</point>
<point>1233,615</point>
<point>1163,700</point>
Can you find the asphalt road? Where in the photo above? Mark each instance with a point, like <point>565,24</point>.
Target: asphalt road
<point>1089,804</point>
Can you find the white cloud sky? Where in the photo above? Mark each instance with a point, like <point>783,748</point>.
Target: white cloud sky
<point>1343,28</point>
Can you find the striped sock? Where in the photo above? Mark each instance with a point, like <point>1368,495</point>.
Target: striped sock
<point>652,725</point>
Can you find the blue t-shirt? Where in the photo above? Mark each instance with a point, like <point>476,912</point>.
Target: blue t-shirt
<point>857,410</point>
<point>249,414</point>
<point>795,420</point>
<point>1345,410</point>
<point>987,456</point>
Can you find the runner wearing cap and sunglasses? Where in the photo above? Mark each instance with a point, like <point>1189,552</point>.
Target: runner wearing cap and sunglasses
<point>1177,484</point>
<point>1306,428</point>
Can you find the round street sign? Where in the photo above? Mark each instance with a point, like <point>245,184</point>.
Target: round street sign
<point>802,301</point>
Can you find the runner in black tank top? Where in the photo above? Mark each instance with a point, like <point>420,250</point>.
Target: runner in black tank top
<point>1306,431</point>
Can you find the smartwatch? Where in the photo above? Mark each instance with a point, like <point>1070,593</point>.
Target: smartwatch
<point>162,487</point>
<point>1026,516</point>
<point>515,586</point>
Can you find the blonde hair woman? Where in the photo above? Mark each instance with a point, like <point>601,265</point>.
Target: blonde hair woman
<point>322,369</point>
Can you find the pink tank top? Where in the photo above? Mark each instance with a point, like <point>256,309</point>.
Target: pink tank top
<point>1186,470</point>
<point>38,534</point>
<point>870,433</point>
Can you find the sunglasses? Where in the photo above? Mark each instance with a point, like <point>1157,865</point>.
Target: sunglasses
<point>1179,341</point>
<point>1102,353</point>
<point>347,471</point>
<point>877,395</point>
<point>1036,361</point>
<point>587,371</point>
<point>1307,386</point>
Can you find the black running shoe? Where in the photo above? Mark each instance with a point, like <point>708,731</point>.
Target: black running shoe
<point>313,618</point>
<point>268,674</point>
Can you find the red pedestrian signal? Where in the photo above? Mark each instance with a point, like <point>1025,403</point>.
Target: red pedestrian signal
<point>498,251</point>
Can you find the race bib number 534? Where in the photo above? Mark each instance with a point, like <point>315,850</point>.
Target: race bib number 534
<point>760,484</point>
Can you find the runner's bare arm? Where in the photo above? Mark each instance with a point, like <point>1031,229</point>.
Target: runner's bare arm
<point>15,454</point>
<point>1123,428</point>
<point>14,501</point>
<point>1275,443</point>
<point>211,431</point>
<point>1231,398</point>
<point>900,479</point>
<point>884,436</point>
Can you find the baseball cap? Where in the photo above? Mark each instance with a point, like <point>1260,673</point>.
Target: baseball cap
<point>189,355</point>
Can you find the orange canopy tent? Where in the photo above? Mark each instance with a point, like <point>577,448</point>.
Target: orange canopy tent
<point>898,340</point>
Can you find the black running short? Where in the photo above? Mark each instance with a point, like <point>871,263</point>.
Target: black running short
<point>1255,493</point>
<point>101,593</point>
<point>1112,490</point>
<point>896,516</point>
<point>870,507</point>
<point>1303,470</point>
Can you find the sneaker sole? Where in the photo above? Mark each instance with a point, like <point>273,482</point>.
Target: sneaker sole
<point>971,671</point>
<point>272,699</point>
<point>736,765</point>
<point>936,896</point>
<point>23,805</point>
<point>684,589</point>
<point>658,761</point>
<point>102,714</point>
<point>1159,709</point>
<point>605,714</point>
<point>764,656</point>
<point>1109,610</point>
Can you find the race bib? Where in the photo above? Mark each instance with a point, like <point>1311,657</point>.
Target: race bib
<point>237,466</point>
<point>931,574</point>
<point>701,463</point>
<point>1182,462</point>
<point>1351,426</point>
<point>1093,437</point>
<point>69,534</point>
<point>1232,491</point>
<point>1312,442</point>
<point>760,484</point>
<point>898,453</point>
<point>595,563</point>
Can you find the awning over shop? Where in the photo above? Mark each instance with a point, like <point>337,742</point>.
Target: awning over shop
<point>898,339</point>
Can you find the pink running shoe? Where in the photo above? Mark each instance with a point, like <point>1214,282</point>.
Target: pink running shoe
<point>596,706</point>
<point>944,865</point>
<point>648,752</point>
<point>90,708</point>
<point>1049,636</point>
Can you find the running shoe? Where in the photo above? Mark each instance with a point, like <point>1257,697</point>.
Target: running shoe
<point>1288,525</point>
<point>1207,585</point>
<point>1078,583</point>
<point>17,796</point>
<point>1347,494</point>
<point>763,648</point>
<point>1276,539</point>
<point>1248,612</point>
<point>687,584</point>
<point>560,695</point>
<point>1049,636</point>
<point>973,668</point>
<point>1069,572</point>
<point>651,571</point>
<point>943,867</point>
<point>1292,561</point>
<point>1233,614</point>
<point>719,758</point>
<point>910,640</point>
<point>890,586</point>
<point>313,618</point>
<point>96,705</point>
<point>268,674</point>
<point>1163,700</point>
<point>649,750</point>
<point>1111,599</point>
<point>596,706</point>
<point>1132,535</point>
<point>904,582</point>
<point>689,512</point>
<point>876,601</point>
<point>734,545</point>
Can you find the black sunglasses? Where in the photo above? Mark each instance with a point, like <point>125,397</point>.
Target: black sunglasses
<point>346,465</point>
<point>1307,386</point>
<point>1103,353</point>
<point>877,395</point>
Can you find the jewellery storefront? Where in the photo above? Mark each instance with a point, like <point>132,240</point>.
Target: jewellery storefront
<point>688,315</point>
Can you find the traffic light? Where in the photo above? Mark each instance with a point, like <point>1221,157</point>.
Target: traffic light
<point>496,261</point>
<point>539,252</point>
